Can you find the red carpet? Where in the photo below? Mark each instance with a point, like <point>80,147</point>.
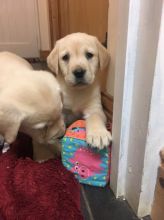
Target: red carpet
<point>33,191</point>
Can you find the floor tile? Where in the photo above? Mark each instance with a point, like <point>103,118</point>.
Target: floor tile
<point>101,204</point>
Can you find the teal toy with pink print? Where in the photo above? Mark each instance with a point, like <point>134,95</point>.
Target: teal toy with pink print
<point>90,165</point>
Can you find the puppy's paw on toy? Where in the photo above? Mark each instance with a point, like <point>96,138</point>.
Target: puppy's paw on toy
<point>99,138</point>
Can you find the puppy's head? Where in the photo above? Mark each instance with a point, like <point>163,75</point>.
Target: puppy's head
<point>37,113</point>
<point>78,57</point>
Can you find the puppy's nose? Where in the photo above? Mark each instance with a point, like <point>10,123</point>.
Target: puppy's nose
<point>79,73</point>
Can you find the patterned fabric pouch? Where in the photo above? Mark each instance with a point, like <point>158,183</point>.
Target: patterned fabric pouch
<point>90,165</point>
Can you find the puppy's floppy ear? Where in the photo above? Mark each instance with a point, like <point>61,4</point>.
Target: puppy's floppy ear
<point>10,121</point>
<point>103,55</point>
<point>53,59</point>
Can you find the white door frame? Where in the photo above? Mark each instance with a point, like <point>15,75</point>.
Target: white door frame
<point>135,38</point>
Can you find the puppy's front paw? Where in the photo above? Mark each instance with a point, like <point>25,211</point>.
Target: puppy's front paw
<point>99,137</point>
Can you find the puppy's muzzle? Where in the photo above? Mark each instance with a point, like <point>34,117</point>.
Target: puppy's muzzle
<point>79,74</point>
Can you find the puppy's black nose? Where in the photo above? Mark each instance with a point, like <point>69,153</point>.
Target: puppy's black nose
<point>79,73</point>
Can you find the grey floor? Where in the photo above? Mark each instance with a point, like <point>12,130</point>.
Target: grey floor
<point>101,204</point>
<point>37,64</point>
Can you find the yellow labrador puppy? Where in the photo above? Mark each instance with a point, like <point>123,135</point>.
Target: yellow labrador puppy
<point>30,101</point>
<point>77,61</point>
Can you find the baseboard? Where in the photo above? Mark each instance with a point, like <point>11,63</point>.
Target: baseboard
<point>107,102</point>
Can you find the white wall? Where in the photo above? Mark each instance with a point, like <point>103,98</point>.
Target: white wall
<point>136,65</point>
<point>27,36</point>
<point>155,136</point>
<point>19,31</point>
<point>145,61</point>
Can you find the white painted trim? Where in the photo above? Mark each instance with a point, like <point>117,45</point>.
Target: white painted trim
<point>112,39</point>
<point>118,14</point>
<point>37,25</point>
<point>133,26</point>
<point>44,25</point>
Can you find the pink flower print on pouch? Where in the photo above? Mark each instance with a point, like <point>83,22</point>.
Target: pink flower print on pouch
<point>83,171</point>
<point>86,163</point>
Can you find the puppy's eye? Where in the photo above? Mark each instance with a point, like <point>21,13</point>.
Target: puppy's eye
<point>89,55</point>
<point>65,57</point>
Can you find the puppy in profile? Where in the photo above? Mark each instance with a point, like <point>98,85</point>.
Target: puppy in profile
<point>30,101</point>
<point>77,60</point>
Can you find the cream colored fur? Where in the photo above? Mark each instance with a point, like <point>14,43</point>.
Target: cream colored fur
<point>30,101</point>
<point>82,98</point>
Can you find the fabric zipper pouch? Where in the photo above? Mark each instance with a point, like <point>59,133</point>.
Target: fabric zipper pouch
<point>90,165</point>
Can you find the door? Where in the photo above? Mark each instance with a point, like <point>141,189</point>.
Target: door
<point>68,16</point>
<point>85,16</point>
<point>19,27</point>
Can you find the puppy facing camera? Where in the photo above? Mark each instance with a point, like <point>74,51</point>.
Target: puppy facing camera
<point>78,60</point>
